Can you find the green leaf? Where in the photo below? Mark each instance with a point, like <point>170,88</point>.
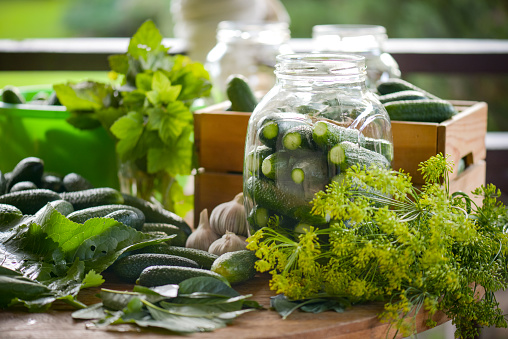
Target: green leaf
<point>119,63</point>
<point>146,39</point>
<point>162,86</point>
<point>92,279</point>
<point>84,120</point>
<point>144,82</point>
<point>208,285</point>
<point>95,311</point>
<point>84,96</point>
<point>127,129</point>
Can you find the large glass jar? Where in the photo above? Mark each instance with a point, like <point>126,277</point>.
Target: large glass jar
<point>248,49</point>
<point>366,40</point>
<point>318,120</point>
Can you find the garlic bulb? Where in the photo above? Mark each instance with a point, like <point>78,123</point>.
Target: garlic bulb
<point>230,216</point>
<point>229,242</point>
<point>203,236</point>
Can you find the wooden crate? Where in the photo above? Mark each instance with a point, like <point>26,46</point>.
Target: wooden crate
<point>220,141</point>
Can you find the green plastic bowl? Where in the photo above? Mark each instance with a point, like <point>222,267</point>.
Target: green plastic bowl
<point>42,131</point>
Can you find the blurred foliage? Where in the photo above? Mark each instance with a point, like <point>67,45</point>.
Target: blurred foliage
<point>488,19</point>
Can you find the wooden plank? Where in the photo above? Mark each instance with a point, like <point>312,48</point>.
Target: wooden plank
<point>472,177</point>
<point>356,322</point>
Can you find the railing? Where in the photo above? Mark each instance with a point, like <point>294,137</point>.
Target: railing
<point>461,56</point>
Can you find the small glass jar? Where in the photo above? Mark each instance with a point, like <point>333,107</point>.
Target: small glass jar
<point>366,40</point>
<point>248,49</point>
<point>318,120</point>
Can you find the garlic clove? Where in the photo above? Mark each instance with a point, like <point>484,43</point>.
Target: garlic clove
<point>230,217</point>
<point>229,242</point>
<point>203,236</point>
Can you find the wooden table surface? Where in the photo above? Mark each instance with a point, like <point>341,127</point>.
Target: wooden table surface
<point>356,322</point>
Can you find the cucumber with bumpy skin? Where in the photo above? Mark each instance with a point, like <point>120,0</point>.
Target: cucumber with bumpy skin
<point>9,213</point>
<point>203,258</point>
<point>74,182</point>
<point>398,85</point>
<point>129,268</point>
<point>81,216</point>
<point>12,95</point>
<point>276,165</point>
<point>347,154</point>
<point>298,137</point>
<point>164,275</point>
<point>29,201</point>
<point>380,146</point>
<point>27,169</point>
<point>237,267</point>
<point>402,95</point>
<point>240,94</point>
<point>327,134</point>
<point>254,159</point>
<point>275,125</point>
<point>420,110</point>
<point>93,197</point>
<point>168,229</point>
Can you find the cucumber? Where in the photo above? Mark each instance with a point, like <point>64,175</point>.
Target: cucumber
<point>12,95</point>
<point>126,217</point>
<point>3,183</point>
<point>267,194</point>
<point>402,95</point>
<point>74,182</point>
<point>129,268</point>
<point>203,258</point>
<point>240,94</point>
<point>237,267</point>
<point>179,240</point>
<point>298,137</point>
<point>311,173</point>
<point>327,134</point>
<point>64,207</point>
<point>164,275</point>
<point>347,154</point>
<point>420,110</point>
<point>8,214</point>
<point>156,214</point>
<point>23,186</point>
<point>394,85</point>
<point>276,165</point>
<point>259,217</point>
<point>82,215</point>
<point>255,158</point>
<point>276,124</point>
<point>28,169</point>
<point>29,201</point>
<point>52,182</point>
<point>380,146</point>
<point>93,197</point>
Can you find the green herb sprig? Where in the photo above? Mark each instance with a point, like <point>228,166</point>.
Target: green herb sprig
<point>149,116</point>
<point>387,240</point>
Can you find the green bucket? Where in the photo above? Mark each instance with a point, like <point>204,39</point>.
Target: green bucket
<point>42,131</point>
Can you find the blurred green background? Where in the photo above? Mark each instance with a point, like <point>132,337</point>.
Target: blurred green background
<point>21,19</point>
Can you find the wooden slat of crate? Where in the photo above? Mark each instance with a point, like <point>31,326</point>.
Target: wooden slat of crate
<point>220,138</point>
<point>214,188</point>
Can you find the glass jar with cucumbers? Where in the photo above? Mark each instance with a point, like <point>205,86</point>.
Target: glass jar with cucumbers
<point>316,122</point>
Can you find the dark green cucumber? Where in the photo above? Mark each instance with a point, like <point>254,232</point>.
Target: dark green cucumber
<point>154,213</point>
<point>420,110</point>
<point>164,275</point>
<point>29,201</point>
<point>311,173</point>
<point>381,146</point>
<point>255,158</point>
<point>203,258</point>
<point>52,182</point>
<point>74,182</point>
<point>260,216</point>
<point>129,268</point>
<point>23,186</point>
<point>398,85</point>
<point>28,169</point>
<point>64,207</point>
<point>275,125</point>
<point>82,215</point>
<point>179,240</point>
<point>126,217</point>
<point>93,197</point>
<point>327,134</point>
<point>8,214</point>
<point>347,154</point>
<point>3,183</point>
<point>240,94</point>
<point>276,165</point>
<point>12,95</point>
<point>266,193</point>
<point>298,137</point>
<point>402,95</point>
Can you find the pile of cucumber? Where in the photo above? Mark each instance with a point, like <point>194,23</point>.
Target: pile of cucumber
<point>298,157</point>
<point>28,188</point>
<point>12,95</point>
<point>406,102</point>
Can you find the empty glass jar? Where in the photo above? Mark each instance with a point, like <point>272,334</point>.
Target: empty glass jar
<point>318,120</point>
<point>248,49</point>
<point>366,40</point>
